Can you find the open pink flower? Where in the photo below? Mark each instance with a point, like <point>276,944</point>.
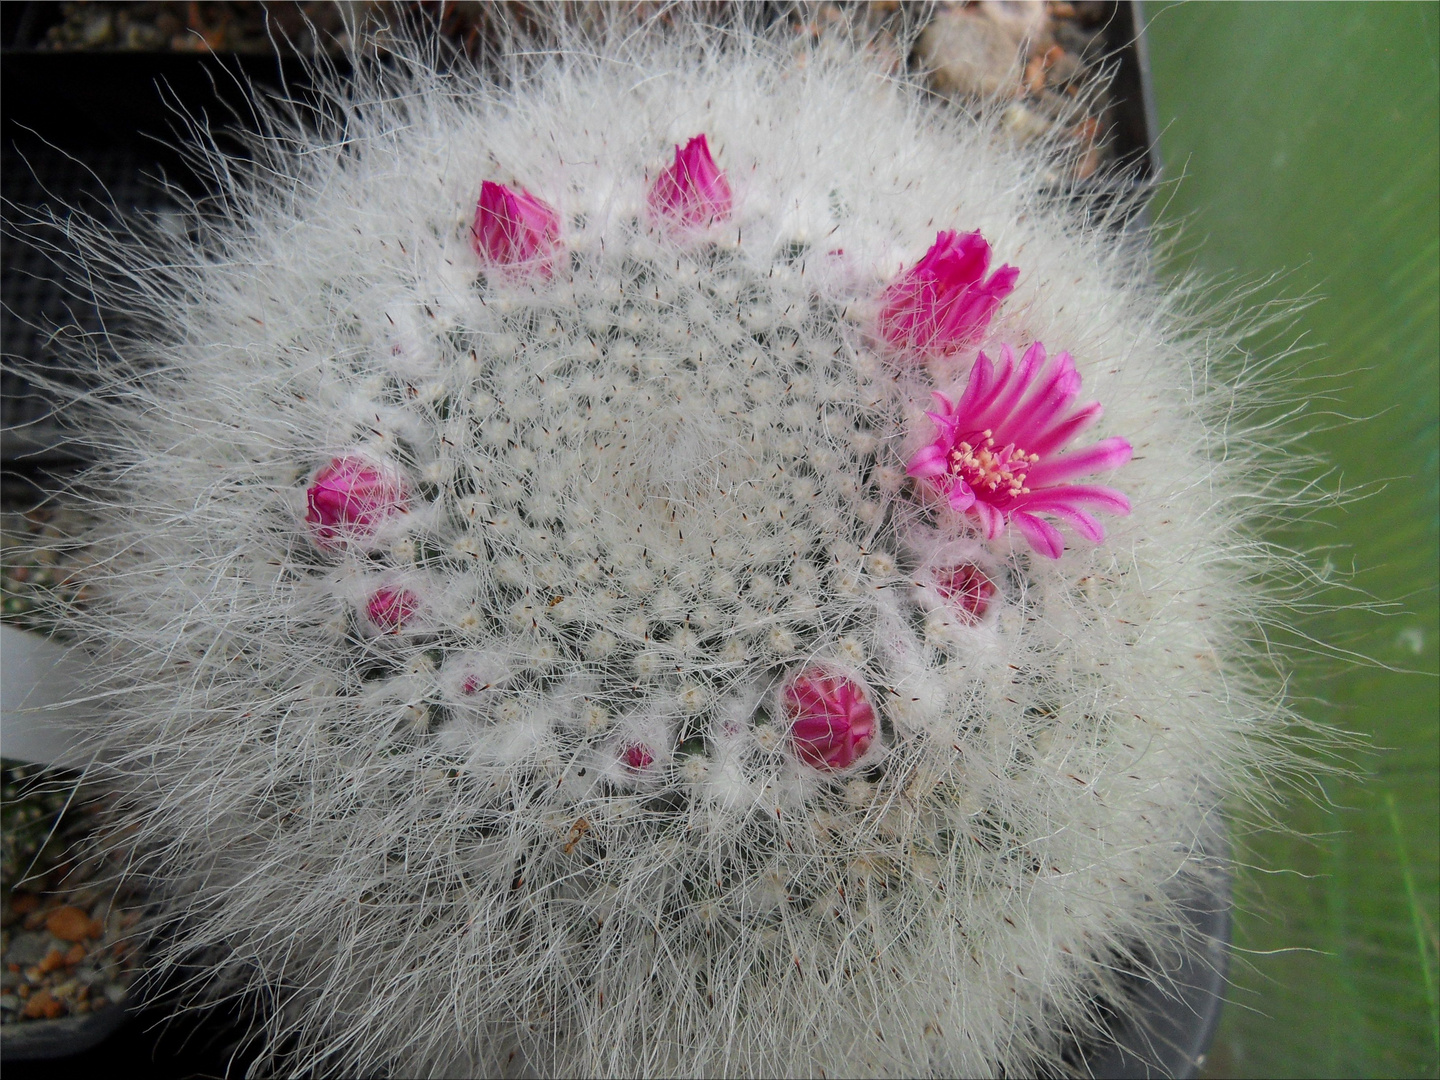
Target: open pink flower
<point>515,229</point>
<point>351,497</point>
<point>945,301</point>
<point>832,722</point>
<point>996,453</point>
<point>693,192</point>
<point>390,608</point>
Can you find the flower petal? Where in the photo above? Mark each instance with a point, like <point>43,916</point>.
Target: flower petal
<point>1084,524</point>
<point>991,519</point>
<point>962,262</point>
<point>1061,433</point>
<point>1105,455</point>
<point>947,417</point>
<point>1043,537</point>
<point>1102,498</point>
<point>1037,414</point>
<point>982,383</point>
<point>929,460</point>
<point>1002,281</point>
<point>962,496</point>
<point>1000,409</point>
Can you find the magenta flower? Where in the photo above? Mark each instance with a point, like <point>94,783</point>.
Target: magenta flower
<point>693,192</point>
<point>515,229</point>
<point>966,591</point>
<point>996,454</point>
<point>944,301</point>
<point>351,497</point>
<point>391,608</point>
<point>831,719</point>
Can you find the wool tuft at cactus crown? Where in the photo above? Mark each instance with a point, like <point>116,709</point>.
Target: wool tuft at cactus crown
<point>686,557</point>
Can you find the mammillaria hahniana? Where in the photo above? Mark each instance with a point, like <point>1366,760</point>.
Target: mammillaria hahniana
<point>523,646</point>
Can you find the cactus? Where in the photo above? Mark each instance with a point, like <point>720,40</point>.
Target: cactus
<point>542,629</point>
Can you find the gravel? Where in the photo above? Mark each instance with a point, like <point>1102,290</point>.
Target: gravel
<point>68,945</point>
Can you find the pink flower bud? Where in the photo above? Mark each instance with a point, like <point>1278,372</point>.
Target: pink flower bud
<point>515,229</point>
<point>966,590</point>
<point>350,497</point>
<point>944,302</point>
<point>693,192</point>
<point>831,719</point>
<point>638,756</point>
<point>468,675</point>
<point>391,608</point>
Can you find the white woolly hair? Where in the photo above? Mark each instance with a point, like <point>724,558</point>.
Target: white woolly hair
<point>644,490</point>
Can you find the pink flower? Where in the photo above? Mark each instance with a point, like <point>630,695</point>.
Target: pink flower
<point>638,756</point>
<point>996,454</point>
<point>831,719</point>
<point>515,229</point>
<point>350,498</point>
<point>941,303</point>
<point>391,608</point>
<point>693,192</point>
<point>966,590</point>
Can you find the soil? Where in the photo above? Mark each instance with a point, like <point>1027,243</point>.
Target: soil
<point>67,930</point>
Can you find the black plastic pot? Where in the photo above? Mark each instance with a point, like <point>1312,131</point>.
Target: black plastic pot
<point>47,1039</point>
<point>1171,1021</point>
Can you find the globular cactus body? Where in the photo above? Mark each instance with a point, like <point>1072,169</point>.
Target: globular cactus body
<point>529,651</point>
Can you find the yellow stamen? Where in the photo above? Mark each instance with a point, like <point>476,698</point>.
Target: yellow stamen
<point>989,470</point>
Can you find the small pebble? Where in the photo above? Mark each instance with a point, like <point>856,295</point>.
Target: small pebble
<point>1062,67</point>
<point>42,1005</point>
<point>72,924</point>
<point>53,959</point>
<point>1025,123</point>
<point>969,54</point>
<point>26,949</point>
